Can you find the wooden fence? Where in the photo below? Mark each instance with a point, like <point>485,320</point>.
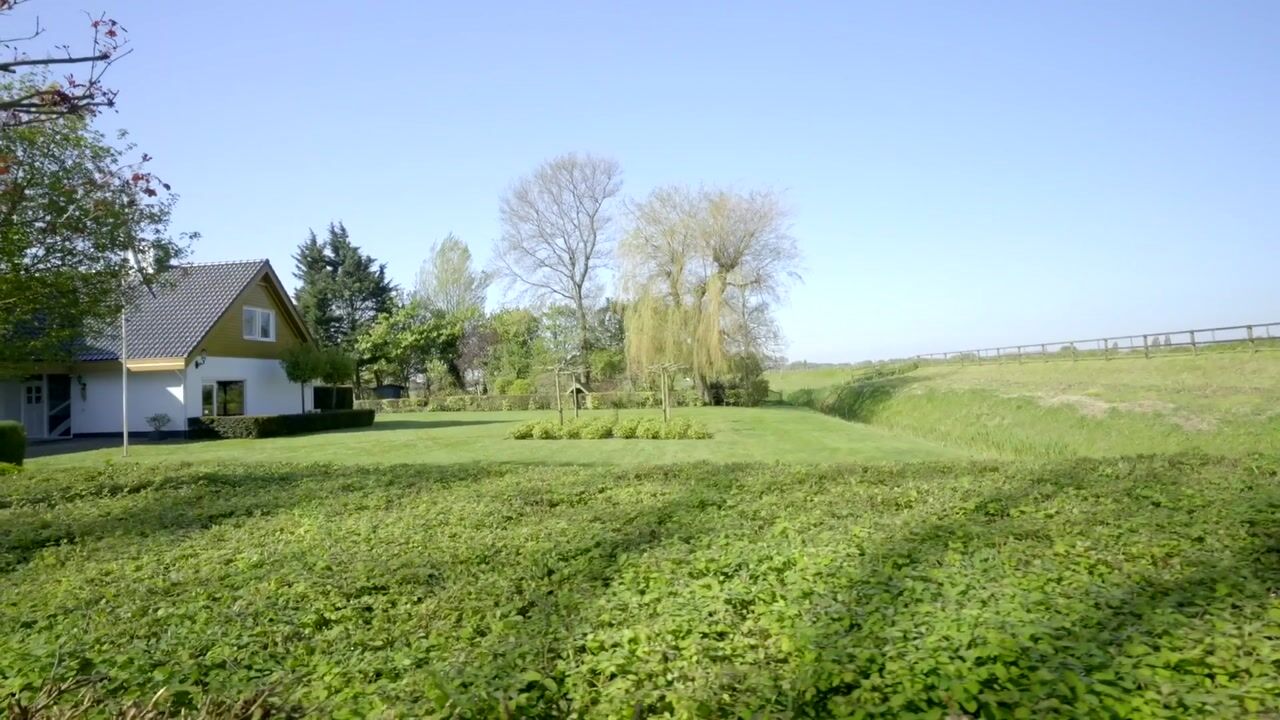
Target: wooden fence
<point>1237,338</point>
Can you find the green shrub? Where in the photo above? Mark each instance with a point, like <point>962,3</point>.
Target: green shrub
<point>9,469</point>
<point>597,430</point>
<point>626,429</point>
<point>688,398</point>
<point>572,429</point>
<point>520,386</point>
<point>13,442</point>
<point>605,428</point>
<point>264,426</point>
<point>649,429</point>
<point>546,430</point>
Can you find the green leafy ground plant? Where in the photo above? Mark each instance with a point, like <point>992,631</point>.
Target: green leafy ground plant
<point>1141,587</point>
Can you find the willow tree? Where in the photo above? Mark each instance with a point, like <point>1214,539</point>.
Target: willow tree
<point>701,271</point>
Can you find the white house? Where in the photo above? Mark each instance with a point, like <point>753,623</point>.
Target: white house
<point>208,342</point>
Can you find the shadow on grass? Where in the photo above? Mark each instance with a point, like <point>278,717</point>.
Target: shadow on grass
<point>1048,647</point>
<point>857,401</point>
<point>53,448</point>
<point>78,505</point>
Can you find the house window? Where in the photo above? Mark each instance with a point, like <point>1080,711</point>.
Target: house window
<point>224,397</point>
<point>35,395</point>
<point>259,324</point>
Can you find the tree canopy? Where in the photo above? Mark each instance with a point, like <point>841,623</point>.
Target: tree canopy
<point>405,342</point>
<point>81,221</point>
<point>448,282</point>
<point>701,271</point>
<point>557,233</point>
<point>342,290</point>
<point>80,92</point>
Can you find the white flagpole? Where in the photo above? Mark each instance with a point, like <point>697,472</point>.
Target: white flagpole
<point>124,382</point>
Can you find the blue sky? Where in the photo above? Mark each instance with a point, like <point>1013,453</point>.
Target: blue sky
<point>961,174</point>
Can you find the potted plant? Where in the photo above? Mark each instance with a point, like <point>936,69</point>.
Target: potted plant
<point>158,423</point>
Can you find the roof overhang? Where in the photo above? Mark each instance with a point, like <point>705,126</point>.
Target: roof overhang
<point>155,364</point>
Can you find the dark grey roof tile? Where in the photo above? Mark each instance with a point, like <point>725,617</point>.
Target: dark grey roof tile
<point>187,302</point>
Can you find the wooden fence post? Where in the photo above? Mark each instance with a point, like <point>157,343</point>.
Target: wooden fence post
<point>1253,347</point>
<point>1103,343</point>
<point>1194,349</point>
<point>1019,354</point>
<point>1146,349</point>
<point>559,407</point>
<point>1044,351</point>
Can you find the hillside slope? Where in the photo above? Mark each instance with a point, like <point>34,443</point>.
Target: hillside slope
<point>1223,403</point>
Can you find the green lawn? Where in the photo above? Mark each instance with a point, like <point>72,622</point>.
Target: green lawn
<point>772,434</point>
<point>1135,588</point>
<point>795,379</point>
<point>430,566</point>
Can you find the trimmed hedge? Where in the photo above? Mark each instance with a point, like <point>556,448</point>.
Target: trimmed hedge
<point>265,426</point>
<point>619,400</point>
<point>13,442</point>
<point>606,428</point>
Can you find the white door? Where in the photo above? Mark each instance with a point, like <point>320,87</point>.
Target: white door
<point>33,414</point>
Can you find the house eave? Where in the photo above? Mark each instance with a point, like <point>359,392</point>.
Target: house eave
<point>155,364</point>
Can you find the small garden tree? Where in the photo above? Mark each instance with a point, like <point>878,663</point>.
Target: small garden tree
<point>302,364</point>
<point>308,363</point>
<point>336,367</point>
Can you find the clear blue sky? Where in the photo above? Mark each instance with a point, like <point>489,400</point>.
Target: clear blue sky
<point>962,174</point>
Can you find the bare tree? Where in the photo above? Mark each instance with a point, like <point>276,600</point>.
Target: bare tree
<point>557,232</point>
<point>30,103</point>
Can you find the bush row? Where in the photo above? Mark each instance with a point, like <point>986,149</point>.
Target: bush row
<point>621,400</point>
<point>13,442</point>
<point>265,426</point>
<point>605,428</point>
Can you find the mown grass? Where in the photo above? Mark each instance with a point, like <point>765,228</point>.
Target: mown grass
<point>772,434</point>
<point>1139,587</point>
<point>798,378</point>
<point>1220,403</point>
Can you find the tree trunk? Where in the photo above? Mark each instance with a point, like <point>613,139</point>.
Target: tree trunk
<point>584,343</point>
<point>702,386</point>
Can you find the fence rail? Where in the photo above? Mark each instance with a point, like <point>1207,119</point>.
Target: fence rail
<point>1243,338</point>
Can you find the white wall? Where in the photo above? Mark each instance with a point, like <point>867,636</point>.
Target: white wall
<point>98,411</point>
<point>175,393</point>
<point>267,390</point>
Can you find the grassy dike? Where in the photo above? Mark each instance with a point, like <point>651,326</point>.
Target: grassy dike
<point>1217,403</point>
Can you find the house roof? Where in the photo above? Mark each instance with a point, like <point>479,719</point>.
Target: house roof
<point>188,300</point>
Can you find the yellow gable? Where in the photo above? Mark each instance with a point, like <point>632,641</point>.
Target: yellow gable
<point>258,324</point>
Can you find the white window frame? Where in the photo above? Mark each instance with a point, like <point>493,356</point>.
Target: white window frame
<point>257,323</point>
